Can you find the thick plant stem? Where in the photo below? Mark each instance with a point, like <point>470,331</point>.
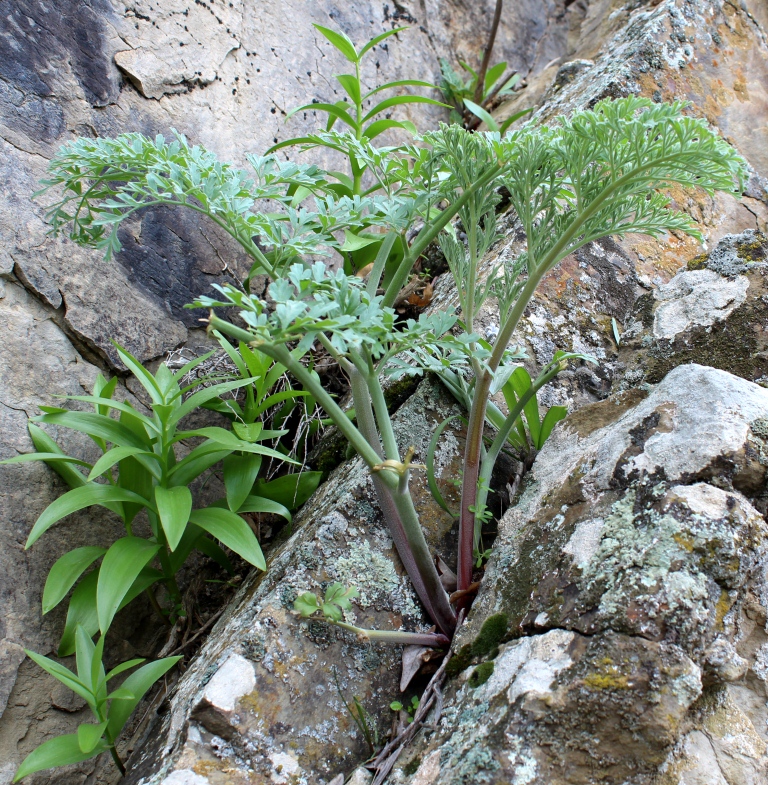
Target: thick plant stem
<point>434,639</point>
<point>445,618</point>
<point>367,425</point>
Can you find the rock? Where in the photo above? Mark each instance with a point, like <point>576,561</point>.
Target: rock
<point>623,609</point>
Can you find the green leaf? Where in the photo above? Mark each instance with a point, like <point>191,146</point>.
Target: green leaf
<point>57,752</point>
<point>240,473</point>
<point>481,114</point>
<point>513,118</point>
<point>44,444</point>
<point>65,573</point>
<point>248,432</point>
<point>231,530</point>
<point>291,490</point>
<point>125,666</point>
<point>97,426</point>
<point>492,75</point>
<point>173,508</point>
<point>62,674</point>
<point>145,378</point>
<point>354,242</point>
<point>351,86</point>
<point>137,683</point>
<point>115,455</point>
<point>255,503</point>
<point>43,456</point>
<point>201,396</point>
<point>551,418</point>
<point>398,100</point>
<point>340,42</point>
<point>400,83</point>
<point>521,383</point>
<point>379,126</point>
<point>334,110</point>
<point>201,458</point>
<point>379,38</point>
<point>78,499</point>
<point>305,604</point>
<point>89,736</point>
<point>119,569</point>
<point>121,694</point>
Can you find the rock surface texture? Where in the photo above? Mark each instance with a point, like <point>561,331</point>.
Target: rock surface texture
<point>619,636</point>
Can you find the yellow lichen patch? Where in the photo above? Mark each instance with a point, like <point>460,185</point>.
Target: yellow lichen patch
<point>607,677</point>
<point>684,540</point>
<point>721,609</point>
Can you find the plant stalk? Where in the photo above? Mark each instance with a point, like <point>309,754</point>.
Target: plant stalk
<point>480,86</point>
<point>434,639</point>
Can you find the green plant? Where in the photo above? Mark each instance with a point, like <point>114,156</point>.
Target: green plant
<point>411,707</point>
<point>111,710</point>
<point>581,178</point>
<point>370,170</point>
<point>141,468</point>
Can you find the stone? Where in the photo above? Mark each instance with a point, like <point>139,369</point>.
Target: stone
<point>628,586</point>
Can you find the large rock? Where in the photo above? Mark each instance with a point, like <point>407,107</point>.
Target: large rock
<point>626,597</point>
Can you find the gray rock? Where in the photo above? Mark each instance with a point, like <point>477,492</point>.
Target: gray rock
<point>630,578</point>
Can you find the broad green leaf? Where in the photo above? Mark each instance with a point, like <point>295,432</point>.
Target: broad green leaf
<point>248,432</point>
<point>196,463</point>
<point>258,504</point>
<point>521,383</point>
<point>145,378</point>
<point>115,455</point>
<point>192,364</point>
<point>551,418</point>
<point>81,612</point>
<point>351,86</point>
<point>65,573</point>
<point>62,674</point>
<point>340,42</point>
<point>117,405</point>
<point>291,491</point>
<point>228,439</point>
<point>400,83</point>
<point>492,75</point>
<point>305,604</point>
<point>44,444</point>
<point>398,100</point>
<point>272,400</point>
<point>379,38</point>
<point>89,736</point>
<point>513,118</point>
<point>334,110</point>
<point>231,530</point>
<point>201,396</point>
<point>57,752</point>
<point>124,666</point>
<point>354,242</point>
<point>84,656</point>
<point>135,474</point>
<point>481,114</point>
<point>379,126</point>
<point>137,683</point>
<point>173,507</point>
<point>240,473</point>
<point>97,426</point>
<point>119,569</point>
<point>121,694</point>
<point>43,456</point>
<point>78,499</point>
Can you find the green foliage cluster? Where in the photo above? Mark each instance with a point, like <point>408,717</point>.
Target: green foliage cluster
<point>142,470</point>
<point>599,172</point>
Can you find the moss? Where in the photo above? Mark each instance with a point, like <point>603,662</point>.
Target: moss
<point>398,392</point>
<point>459,662</point>
<point>412,766</point>
<point>698,262</point>
<point>754,251</point>
<point>481,674</point>
<point>491,634</point>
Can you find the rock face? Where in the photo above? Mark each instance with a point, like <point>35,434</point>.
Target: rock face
<point>224,74</point>
<point>633,648</point>
<point>626,602</point>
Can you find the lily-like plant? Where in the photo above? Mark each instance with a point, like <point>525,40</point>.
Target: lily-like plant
<point>600,172</point>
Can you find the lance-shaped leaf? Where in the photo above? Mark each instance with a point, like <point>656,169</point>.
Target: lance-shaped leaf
<point>173,507</point>
<point>231,530</point>
<point>239,476</point>
<point>57,752</point>
<point>65,573</point>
